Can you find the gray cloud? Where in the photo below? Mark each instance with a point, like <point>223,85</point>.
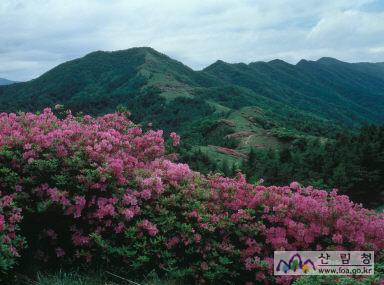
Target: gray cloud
<point>36,35</point>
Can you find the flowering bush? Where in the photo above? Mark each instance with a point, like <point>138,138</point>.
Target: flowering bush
<point>11,241</point>
<point>101,190</point>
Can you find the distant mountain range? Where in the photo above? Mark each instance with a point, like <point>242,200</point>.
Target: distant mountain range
<point>4,81</point>
<point>259,104</point>
<point>344,92</point>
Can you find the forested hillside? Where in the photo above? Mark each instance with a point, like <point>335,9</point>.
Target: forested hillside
<point>280,114</point>
<point>347,93</point>
<point>318,92</point>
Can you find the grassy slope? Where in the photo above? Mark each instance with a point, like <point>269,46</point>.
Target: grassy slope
<point>274,102</point>
<point>74,278</point>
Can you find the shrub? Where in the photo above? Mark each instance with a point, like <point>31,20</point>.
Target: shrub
<point>11,241</point>
<point>101,190</point>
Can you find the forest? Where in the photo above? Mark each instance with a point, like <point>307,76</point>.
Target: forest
<point>352,162</point>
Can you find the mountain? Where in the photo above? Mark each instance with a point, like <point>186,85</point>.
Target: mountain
<point>99,81</point>
<point>4,81</point>
<point>347,93</point>
<point>226,108</point>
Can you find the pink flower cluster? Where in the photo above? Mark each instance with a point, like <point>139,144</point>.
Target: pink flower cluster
<point>150,228</point>
<point>117,152</point>
<point>175,139</point>
<point>10,217</point>
<point>296,218</point>
<point>117,182</point>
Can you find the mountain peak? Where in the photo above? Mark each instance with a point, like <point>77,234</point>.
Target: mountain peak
<point>130,51</point>
<point>219,62</point>
<point>328,60</point>
<point>302,61</point>
<point>276,60</point>
<point>216,64</point>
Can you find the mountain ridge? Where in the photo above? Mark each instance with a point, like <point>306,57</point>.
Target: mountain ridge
<point>321,59</point>
<point>260,104</point>
<point>4,81</point>
<point>260,76</point>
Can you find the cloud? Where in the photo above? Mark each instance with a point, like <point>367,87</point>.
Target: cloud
<point>375,50</point>
<point>36,35</point>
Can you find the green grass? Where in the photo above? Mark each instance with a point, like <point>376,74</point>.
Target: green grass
<point>219,108</point>
<point>172,95</point>
<point>380,209</point>
<point>94,278</point>
<point>219,157</point>
<point>74,278</point>
<point>63,278</point>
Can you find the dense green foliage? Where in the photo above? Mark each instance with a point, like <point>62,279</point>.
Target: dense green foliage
<point>352,162</point>
<point>165,92</point>
<point>348,93</point>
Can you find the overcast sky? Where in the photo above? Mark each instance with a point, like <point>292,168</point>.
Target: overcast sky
<point>36,35</point>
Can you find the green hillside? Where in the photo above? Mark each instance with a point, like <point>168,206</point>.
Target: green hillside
<point>235,106</point>
<point>272,120</point>
<point>346,93</point>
